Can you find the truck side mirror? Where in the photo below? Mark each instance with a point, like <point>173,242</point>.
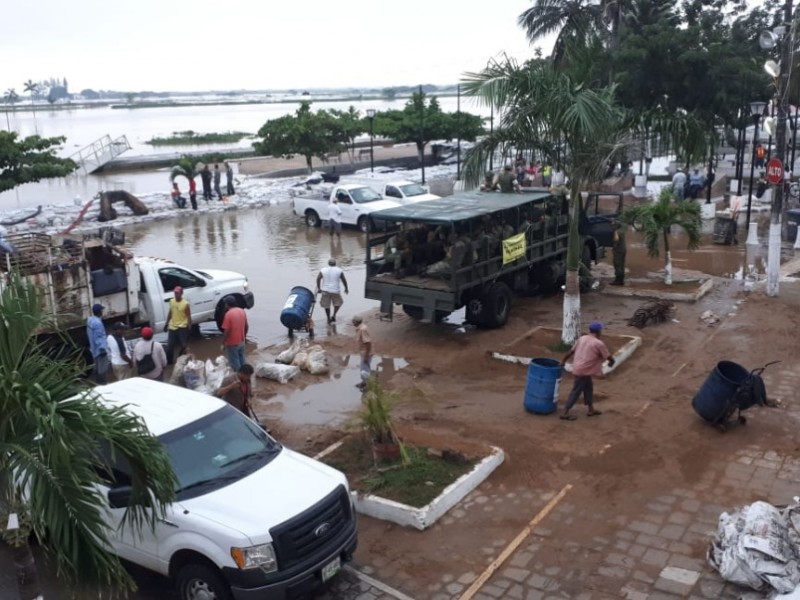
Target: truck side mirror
<point>120,497</point>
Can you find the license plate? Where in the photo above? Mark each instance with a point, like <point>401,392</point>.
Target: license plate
<point>331,569</point>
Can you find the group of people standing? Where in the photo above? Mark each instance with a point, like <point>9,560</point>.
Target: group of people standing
<point>206,177</point>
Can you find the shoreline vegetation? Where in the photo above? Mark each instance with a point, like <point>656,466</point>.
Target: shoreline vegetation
<point>114,104</point>
<point>192,138</point>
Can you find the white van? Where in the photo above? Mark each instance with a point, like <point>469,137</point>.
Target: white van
<point>251,519</point>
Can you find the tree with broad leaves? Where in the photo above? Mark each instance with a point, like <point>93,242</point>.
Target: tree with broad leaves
<point>58,444</point>
<point>307,133</point>
<point>353,125</point>
<point>31,159</point>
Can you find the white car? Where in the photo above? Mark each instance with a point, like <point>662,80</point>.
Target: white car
<point>407,192</point>
<point>251,519</point>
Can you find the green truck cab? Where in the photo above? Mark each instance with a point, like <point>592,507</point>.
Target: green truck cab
<point>475,249</point>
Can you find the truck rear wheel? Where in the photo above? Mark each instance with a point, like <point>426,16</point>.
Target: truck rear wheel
<point>197,581</point>
<point>416,312</point>
<point>312,219</point>
<point>365,224</point>
<point>491,307</point>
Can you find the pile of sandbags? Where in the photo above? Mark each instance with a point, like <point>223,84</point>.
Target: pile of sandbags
<point>205,377</point>
<point>298,357</point>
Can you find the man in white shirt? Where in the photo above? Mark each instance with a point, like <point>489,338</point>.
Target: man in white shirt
<point>335,218</point>
<point>328,281</point>
<point>120,352</point>
<point>679,184</point>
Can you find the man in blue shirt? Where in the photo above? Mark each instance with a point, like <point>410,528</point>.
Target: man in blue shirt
<point>98,344</point>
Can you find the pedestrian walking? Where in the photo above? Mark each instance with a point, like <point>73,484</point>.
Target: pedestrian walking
<point>229,179</point>
<point>335,217</point>
<point>619,250</point>
<point>364,342</point>
<point>205,177</point>
<point>193,193</point>
<point>217,179</point>
<point>120,352</point>
<point>234,330</point>
<point>590,353</point>
<point>149,358</point>
<point>98,344</point>
<point>178,325</point>
<point>679,185</point>
<point>547,175</point>
<point>330,280</point>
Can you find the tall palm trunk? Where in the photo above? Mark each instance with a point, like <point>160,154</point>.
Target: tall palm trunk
<point>667,259</point>
<point>571,321</point>
<point>27,576</point>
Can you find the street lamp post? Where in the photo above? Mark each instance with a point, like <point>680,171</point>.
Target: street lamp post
<point>371,117</point>
<point>756,110</point>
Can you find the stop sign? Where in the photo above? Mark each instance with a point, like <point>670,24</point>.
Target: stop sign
<point>774,171</point>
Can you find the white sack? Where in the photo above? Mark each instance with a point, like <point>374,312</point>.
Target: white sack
<point>317,361</point>
<point>176,378</point>
<point>287,356</point>
<point>277,372</point>
<point>215,372</point>
<point>194,374</point>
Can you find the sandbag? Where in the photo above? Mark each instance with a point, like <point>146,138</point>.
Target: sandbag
<point>194,374</point>
<point>277,372</point>
<point>176,378</point>
<point>215,372</point>
<point>300,359</point>
<point>317,361</point>
<point>287,356</point>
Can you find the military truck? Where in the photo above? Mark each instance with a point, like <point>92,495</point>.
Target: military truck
<point>474,249</point>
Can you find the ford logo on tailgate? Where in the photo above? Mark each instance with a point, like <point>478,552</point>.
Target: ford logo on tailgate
<point>322,529</point>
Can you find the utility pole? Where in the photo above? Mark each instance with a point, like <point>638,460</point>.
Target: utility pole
<point>774,250</point>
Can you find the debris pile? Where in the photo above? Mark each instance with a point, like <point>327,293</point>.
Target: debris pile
<point>656,311</point>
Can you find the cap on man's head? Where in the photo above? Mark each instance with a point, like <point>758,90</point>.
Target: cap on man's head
<point>595,326</point>
<point>98,308</point>
<point>118,326</point>
<point>508,167</point>
<point>178,290</point>
<point>332,262</point>
<point>147,333</point>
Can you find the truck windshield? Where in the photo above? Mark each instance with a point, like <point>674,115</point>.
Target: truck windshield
<point>217,450</point>
<point>413,189</point>
<point>364,195</point>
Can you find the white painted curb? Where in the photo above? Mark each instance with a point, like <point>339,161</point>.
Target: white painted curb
<point>422,518</point>
<point>663,295</point>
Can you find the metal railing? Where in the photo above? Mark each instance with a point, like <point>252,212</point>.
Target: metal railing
<point>101,151</point>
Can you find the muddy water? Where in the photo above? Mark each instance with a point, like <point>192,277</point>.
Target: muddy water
<point>272,247</point>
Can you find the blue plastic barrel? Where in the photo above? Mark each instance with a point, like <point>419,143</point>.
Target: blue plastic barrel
<point>296,308</point>
<point>541,392</point>
<point>712,400</point>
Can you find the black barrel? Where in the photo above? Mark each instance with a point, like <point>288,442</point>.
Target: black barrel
<point>712,401</point>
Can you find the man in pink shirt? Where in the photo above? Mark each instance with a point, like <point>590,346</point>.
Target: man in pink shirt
<point>234,328</point>
<point>590,353</point>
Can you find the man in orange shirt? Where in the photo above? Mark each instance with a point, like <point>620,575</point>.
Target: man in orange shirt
<point>590,353</point>
<point>234,328</point>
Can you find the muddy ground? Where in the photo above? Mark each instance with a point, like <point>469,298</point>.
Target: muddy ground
<point>647,442</point>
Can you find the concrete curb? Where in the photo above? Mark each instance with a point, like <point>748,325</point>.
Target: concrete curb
<point>422,518</point>
<point>632,292</point>
<point>620,356</point>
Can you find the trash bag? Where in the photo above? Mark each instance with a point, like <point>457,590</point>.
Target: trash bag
<point>176,378</point>
<point>277,372</point>
<point>194,374</point>
<point>317,361</point>
<point>300,359</point>
<point>753,548</point>
<point>215,372</point>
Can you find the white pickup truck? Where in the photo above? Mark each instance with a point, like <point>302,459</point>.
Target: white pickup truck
<point>251,519</point>
<point>357,202</point>
<point>407,192</point>
<point>73,273</point>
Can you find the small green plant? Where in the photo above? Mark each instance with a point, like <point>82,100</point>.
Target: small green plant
<point>376,416</point>
<point>184,138</point>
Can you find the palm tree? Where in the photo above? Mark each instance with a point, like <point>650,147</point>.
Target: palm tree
<point>575,21</point>
<point>656,220</point>
<point>186,167</point>
<point>51,462</point>
<point>33,89</point>
<point>10,97</point>
<point>565,120</point>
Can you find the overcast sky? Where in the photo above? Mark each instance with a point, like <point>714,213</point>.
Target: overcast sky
<point>163,45</point>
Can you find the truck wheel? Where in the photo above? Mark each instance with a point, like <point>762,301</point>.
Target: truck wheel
<point>197,581</point>
<point>474,309</point>
<point>312,219</point>
<point>497,301</point>
<point>219,313</point>
<point>365,224</point>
